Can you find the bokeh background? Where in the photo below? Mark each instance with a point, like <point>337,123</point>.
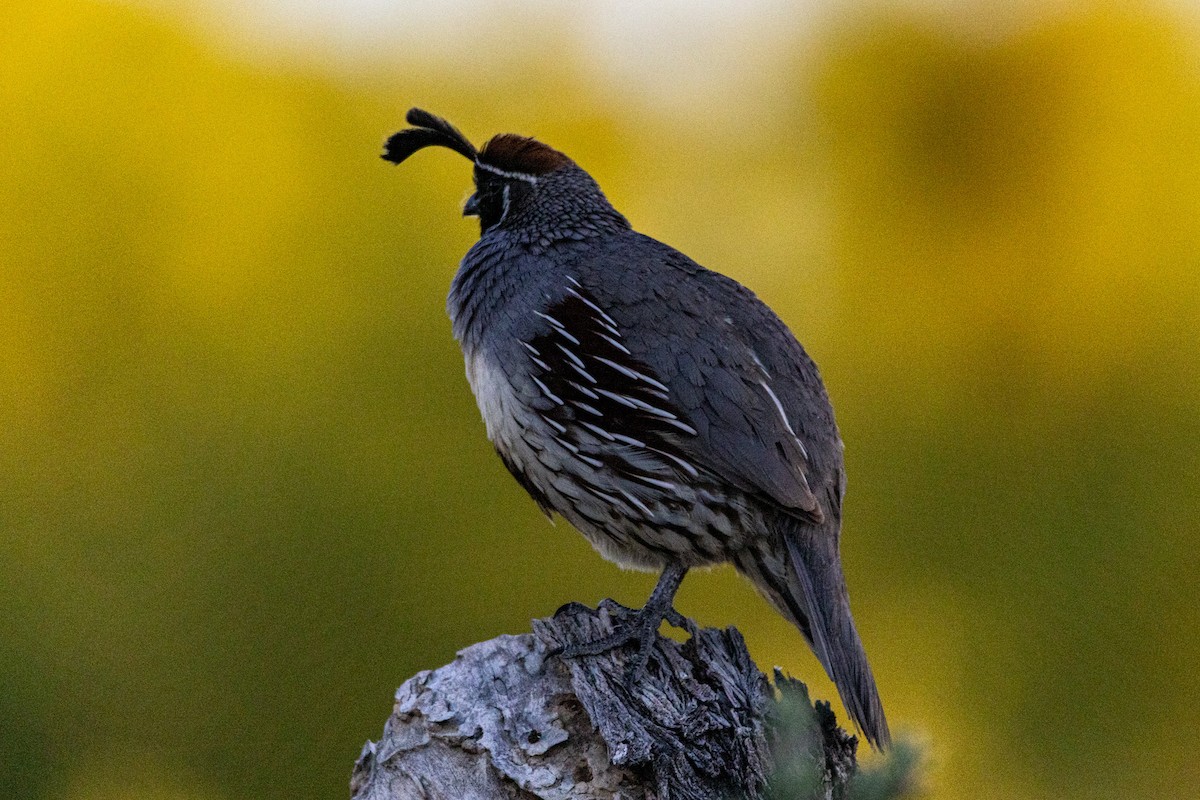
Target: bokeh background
<point>244,490</point>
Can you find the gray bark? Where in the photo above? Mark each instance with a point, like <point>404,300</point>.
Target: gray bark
<point>506,722</point>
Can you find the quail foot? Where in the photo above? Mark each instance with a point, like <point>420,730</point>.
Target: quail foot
<point>661,408</point>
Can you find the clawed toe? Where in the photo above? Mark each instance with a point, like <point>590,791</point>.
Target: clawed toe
<point>595,647</point>
<point>640,627</point>
<point>677,620</point>
<point>641,630</point>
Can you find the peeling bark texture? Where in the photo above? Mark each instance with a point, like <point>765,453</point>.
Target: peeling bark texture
<point>505,721</point>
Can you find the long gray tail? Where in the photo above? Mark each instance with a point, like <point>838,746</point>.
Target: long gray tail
<point>813,596</point>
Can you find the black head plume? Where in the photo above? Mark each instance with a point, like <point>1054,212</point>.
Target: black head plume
<point>429,131</point>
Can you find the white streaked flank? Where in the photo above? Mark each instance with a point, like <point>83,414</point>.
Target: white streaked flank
<point>546,391</point>
<point>596,429</point>
<point>670,487</point>
<point>687,467</point>
<point>644,508</point>
<point>633,373</point>
<point>605,319</point>
<point>616,344</point>
<point>583,372</point>
<point>575,360</point>
<point>595,412</point>
<point>620,437</point>
<point>586,392</point>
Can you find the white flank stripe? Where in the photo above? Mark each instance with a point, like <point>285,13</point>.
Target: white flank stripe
<point>683,426</point>
<point>595,462</point>
<point>586,392</point>
<point>596,429</point>
<point>595,412</point>
<point>616,344</point>
<point>574,358</point>
<point>645,509</point>
<point>633,373</point>
<point>546,391</point>
<point>558,325</point>
<point>670,487</point>
<point>586,375</point>
<point>620,437</point>
<point>688,468</point>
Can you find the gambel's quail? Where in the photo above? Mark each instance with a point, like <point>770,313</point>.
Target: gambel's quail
<point>661,408</point>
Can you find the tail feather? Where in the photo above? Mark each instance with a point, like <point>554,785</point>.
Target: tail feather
<point>819,593</point>
<point>806,585</point>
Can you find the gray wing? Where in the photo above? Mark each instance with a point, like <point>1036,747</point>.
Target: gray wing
<point>728,371</point>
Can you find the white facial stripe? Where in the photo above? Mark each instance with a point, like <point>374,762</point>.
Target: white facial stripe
<point>521,176</point>
<point>504,213</point>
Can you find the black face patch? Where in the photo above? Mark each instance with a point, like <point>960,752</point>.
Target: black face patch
<point>497,197</point>
<point>489,204</point>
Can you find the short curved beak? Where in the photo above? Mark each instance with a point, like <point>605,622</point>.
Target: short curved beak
<point>471,207</point>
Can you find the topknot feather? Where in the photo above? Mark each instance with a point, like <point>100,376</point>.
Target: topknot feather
<point>430,130</point>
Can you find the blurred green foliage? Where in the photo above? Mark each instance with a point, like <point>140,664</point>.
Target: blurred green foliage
<point>808,748</point>
<point>244,491</point>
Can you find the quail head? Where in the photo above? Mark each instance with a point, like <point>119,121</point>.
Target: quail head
<point>659,407</point>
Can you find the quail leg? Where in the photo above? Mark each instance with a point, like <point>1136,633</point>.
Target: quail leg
<point>642,628</point>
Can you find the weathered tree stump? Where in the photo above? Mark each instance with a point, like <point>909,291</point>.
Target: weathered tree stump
<point>504,722</point>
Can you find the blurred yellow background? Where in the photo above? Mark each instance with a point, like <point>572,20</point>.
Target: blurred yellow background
<point>245,491</point>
